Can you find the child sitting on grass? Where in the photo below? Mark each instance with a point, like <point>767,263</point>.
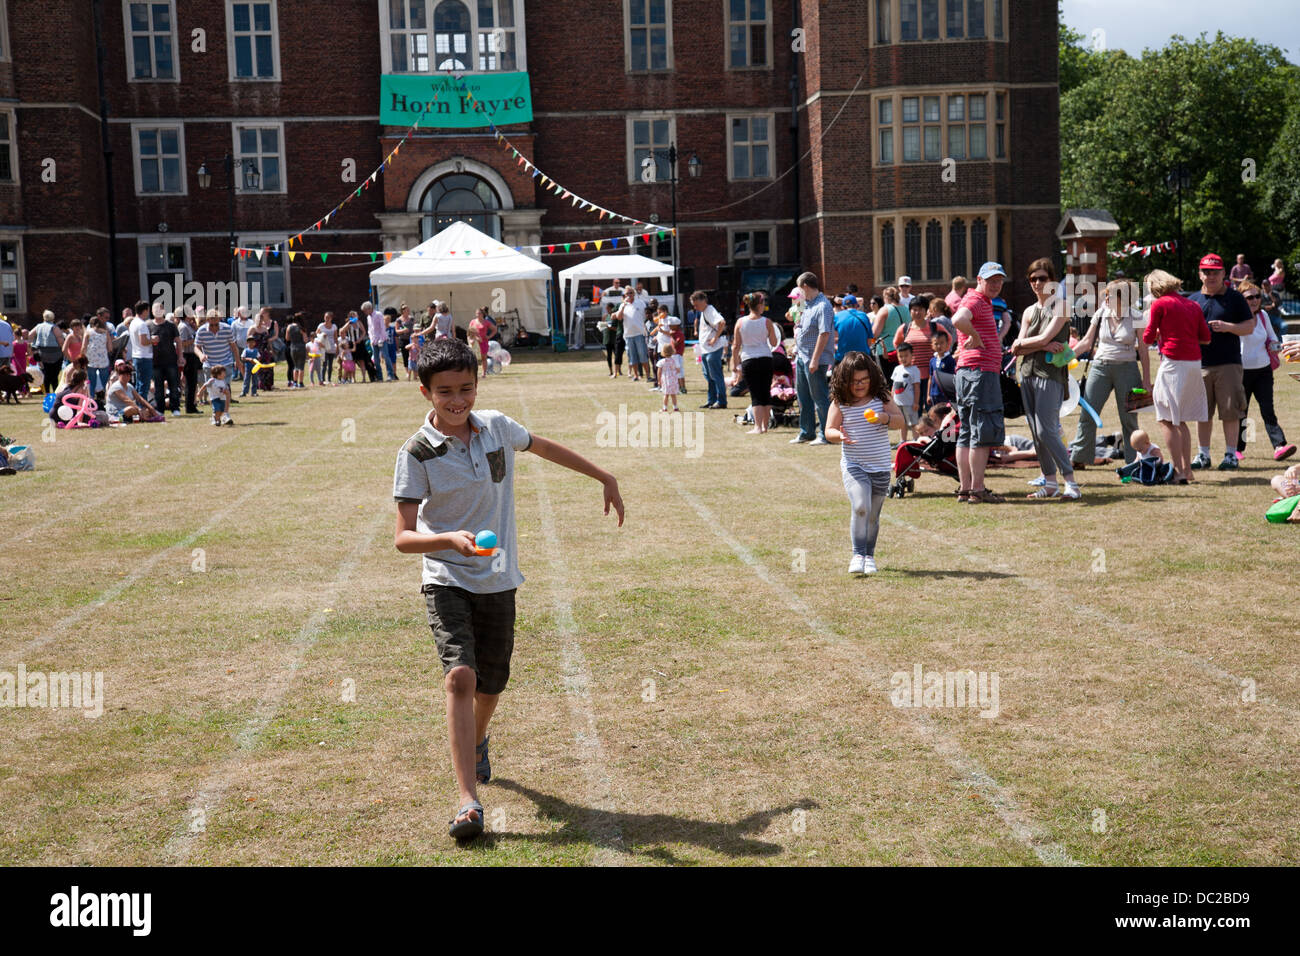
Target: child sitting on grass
<point>470,598</point>
<point>1287,484</point>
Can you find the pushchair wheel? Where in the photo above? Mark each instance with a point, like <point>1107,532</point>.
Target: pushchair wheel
<point>911,486</point>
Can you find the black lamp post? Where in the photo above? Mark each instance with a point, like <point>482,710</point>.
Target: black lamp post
<point>252,179</point>
<point>1178,179</point>
<point>694,165</point>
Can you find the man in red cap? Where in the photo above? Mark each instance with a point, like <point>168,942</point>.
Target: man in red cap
<point>1229,318</point>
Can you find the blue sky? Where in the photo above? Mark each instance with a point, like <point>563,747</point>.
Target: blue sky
<point>1134,25</point>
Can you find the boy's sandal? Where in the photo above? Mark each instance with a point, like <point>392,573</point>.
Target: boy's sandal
<point>962,495</point>
<point>482,769</point>
<point>984,496</point>
<point>1045,492</point>
<point>467,829</point>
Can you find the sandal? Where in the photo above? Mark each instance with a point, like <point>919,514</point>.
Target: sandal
<point>984,496</point>
<point>962,495</point>
<point>467,829</point>
<point>1045,492</point>
<point>482,769</point>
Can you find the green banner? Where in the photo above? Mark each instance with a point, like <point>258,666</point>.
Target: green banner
<point>485,99</point>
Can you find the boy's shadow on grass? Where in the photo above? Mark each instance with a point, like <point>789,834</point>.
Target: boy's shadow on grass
<point>619,831</point>
<point>940,573</point>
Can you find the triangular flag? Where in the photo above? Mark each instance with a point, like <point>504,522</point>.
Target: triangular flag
<point>614,242</point>
<point>388,257</point>
<point>373,176</point>
<point>574,202</point>
<point>469,252</point>
<point>372,256</point>
<point>358,192</point>
<point>566,247</point>
<point>645,237</point>
<point>536,172</point>
<point>291,255</point>
<point>419,252</point>
<point>599,243</point>
<point>550,249</point>
<point>307,254</point>
<point>582,246</point>
<point>662,234</point>
<point>259,255</point>
<point>317,226</point>
<point>323,255</point>
<point>566,195</point>
<point>453,252</point>
<point>484,251</point>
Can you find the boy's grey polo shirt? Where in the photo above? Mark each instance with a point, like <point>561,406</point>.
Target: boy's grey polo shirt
<point>468,488</point>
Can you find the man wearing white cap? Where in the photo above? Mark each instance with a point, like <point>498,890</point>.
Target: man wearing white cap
<point>979,387</point>
<point>905,291</point>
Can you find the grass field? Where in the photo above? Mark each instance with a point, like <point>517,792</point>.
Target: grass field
<point>705,685</point>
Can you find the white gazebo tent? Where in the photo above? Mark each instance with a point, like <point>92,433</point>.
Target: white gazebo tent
<point>624,266</point>
<point>469,269</point>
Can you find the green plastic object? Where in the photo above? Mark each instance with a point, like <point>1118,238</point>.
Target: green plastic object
<point>1281,510</point>
<point>1061,358</point>
<point>1139,391</point>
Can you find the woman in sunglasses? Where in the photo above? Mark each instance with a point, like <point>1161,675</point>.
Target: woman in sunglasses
<point>1258,353</point>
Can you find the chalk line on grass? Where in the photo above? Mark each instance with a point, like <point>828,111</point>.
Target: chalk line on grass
<point>577,683</point>
<point>973,774</point>
<point>214,788</point>
<point>214,520</point>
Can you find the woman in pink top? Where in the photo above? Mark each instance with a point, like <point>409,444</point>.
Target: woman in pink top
<point>482,328</point>
<point>1180,328</point>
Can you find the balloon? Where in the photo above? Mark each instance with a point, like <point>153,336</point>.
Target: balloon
<point>1072,402</point>
<point>1083,403</point>
<point>871,416</point>
<point>258,366</point>
<point>495,346</point>
<point>47,403</point>
<point>78,410</point>
<point>505,357</point>
<point>65,413</point>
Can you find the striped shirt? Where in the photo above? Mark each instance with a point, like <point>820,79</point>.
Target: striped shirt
<point>215,345</point>
<point>871,448</point>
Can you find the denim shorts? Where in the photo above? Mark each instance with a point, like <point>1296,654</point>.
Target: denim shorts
<point>218,406</point>
<point>636,350</point>
<point>979,405</point>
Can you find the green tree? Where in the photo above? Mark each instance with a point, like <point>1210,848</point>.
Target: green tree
<point>1213,105</point>
<point>1279,185</point>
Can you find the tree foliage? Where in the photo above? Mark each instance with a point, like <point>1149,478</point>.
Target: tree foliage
<point>1214,105</point>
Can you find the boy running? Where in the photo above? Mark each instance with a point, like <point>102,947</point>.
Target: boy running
<point>455,477</point>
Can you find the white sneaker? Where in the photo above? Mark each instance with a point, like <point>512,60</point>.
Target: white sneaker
<point>819,441</point>
<point>1072,491</point>
<point>799,440</point>
<point>868,565</point>
<point>855,564</point>
<point>225,419</point>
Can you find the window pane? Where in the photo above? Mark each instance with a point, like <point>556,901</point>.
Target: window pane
<point>637,13</point>
<point>997,19</point>
<point>886,111</point>
<point>400,64</point>
<point>930,19</point>
<point>956,109</point>
<point>758,46</point>
<point>1002,105</point>
<point>740,162</point>
<point>882,21</point>
<point>977,107</point>
<point>911,144</point>
<point>149,176</point>
<point>486,13</point>
<point>262,16</point>
<point>737,47</point>
<point>176,257</point>
<point>397,14</point>
<point>242,20</point>
<point>1001,141</point>
<point>886,254</point>
<point>934,251</point>
<point>10,291</point>
<point>248,141</point>
<point>162,20</point>
<point>739,130</point>
<point>957,247</point>
<point>661,132</point>
<point>911,109</point>
<point>139,17</point>
<point>886,145</point>
<point>758,128</point>
<point>639,58</point>
<point>932,109</point>
<point>956,19</point>
<point>957,142</point>
<point>907,25</point>
<point>762,243</point>
<point>737,9</point>
<point>979,148</point>
<point>265,63</point>
<point>270,140</point>
<point>758,9</point>
<point>658,50</point>
<point>243,56</point>
<point>658,12</point>
<point>933,142</point>
<point>148,142</point>
<point>975,22</point>
<point>270,167</point>
<point>912,248</point>
<point>640,133</point>
<point>979,243</point>
<point>172,175</point>
<point>140,54</point>
<point>760,162</point>
<point>163,56</point>
<point>275,285</point>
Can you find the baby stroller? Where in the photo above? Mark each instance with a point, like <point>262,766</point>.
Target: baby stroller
<point>784,403</point>
<point>937,454</point>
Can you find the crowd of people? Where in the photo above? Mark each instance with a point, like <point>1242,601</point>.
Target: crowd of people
<point>925,365</point>
<point>138,369</point>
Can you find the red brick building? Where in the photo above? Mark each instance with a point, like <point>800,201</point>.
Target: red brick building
<point>926,132</point>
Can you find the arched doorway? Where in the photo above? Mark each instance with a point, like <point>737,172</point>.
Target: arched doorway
<point>460,197</point>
